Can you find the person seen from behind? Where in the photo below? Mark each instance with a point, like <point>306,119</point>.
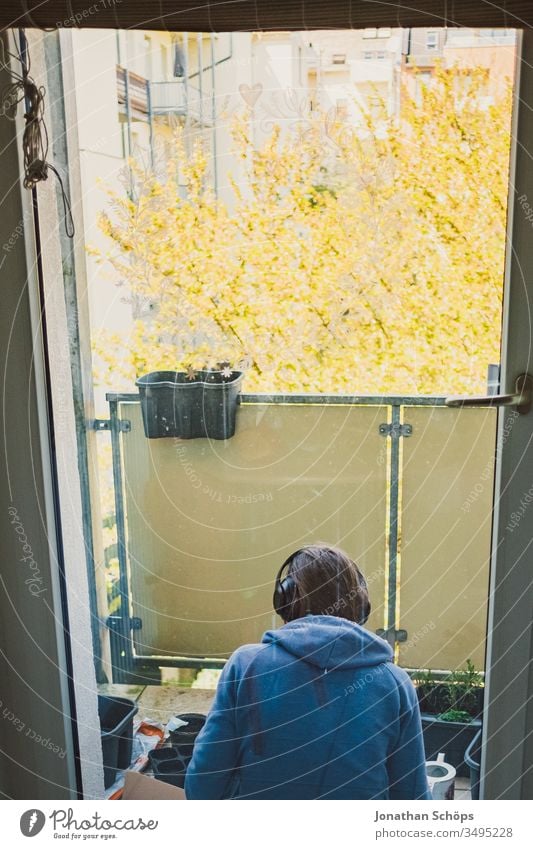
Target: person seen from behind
<point>317,709</point>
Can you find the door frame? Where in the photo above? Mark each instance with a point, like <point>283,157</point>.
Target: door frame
<point>507,743</point>
<point>507,738</point>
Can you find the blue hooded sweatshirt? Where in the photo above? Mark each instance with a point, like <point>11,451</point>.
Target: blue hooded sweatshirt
<point>317,710</point>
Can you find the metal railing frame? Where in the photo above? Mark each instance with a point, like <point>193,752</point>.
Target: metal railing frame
<point>129,667</point>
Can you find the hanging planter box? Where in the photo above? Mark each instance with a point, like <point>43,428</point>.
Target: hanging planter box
<point>174,405</point>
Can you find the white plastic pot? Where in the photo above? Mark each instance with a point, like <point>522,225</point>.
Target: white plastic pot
<point>441,778</point>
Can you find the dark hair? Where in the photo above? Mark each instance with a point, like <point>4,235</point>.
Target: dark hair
<point>327,582</point>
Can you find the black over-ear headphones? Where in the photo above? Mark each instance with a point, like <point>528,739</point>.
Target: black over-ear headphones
<point>366,607</point>
<point>285,591</point>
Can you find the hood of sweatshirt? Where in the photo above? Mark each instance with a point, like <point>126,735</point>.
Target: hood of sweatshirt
<point>330,642</point>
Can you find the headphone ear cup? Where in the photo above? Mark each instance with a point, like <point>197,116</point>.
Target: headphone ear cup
<point>277,598</point>
<point>366,607</point>
<point>284,595</point>
<point>365,612</point>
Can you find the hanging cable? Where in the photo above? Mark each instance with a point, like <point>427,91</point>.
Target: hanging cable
<point>23,89</point>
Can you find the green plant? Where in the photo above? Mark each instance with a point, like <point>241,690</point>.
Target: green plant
<point>453,693</point>
<point>468,678</point>
<point>455,716</point>
<point>462,686</point>
<point>424,678</point>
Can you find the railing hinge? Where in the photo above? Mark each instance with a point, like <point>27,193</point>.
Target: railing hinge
<point>135,622</point>
<point>395,430</point>
<point>397,636</point>
<point>124,425</point>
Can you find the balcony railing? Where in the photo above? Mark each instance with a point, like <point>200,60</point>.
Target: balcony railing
<point>139,99</point>
<point>168,98</point>
<point>402,483</point>
<point>423,60</point>
<point>132,92</point>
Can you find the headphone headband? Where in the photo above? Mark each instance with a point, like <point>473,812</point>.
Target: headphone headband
<point>288,562</point>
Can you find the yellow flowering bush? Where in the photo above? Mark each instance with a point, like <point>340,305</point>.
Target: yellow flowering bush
<point>364,260</point>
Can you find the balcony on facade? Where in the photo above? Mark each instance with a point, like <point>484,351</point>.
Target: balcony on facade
<point>140,99</point>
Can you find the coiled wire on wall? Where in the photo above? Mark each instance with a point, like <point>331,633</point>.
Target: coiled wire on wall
<point>23,88</point>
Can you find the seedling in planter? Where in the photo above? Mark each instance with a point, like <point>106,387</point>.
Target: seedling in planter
<point>457,691</point>
<point>462,686</point>
<point>455,716</point>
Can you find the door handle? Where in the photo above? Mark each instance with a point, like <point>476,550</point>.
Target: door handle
<point>521,398</point>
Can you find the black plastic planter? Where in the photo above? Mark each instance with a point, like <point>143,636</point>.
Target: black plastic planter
<point>183,738</point>
<point>170,762</point>
<point>436,699</point>
<point>441,735</point>
<point>167,765</point>
<point>187,733</point>
<point>116,724</point>
<point>173,772</point>
<point>174,405</point>
<point>452,738</point>
<point>161,755</point>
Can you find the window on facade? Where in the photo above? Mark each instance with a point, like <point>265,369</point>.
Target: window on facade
<point>180,61</point>
<point>147,57</point>
<point>164,62</point>
<point>368,55</point>
<point>338,59</point>
<point>432,40</point>
<point>341,108</point>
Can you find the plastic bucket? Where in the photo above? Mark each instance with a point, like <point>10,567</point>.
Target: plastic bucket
<point>116,731</point>
<point>441,778</point>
